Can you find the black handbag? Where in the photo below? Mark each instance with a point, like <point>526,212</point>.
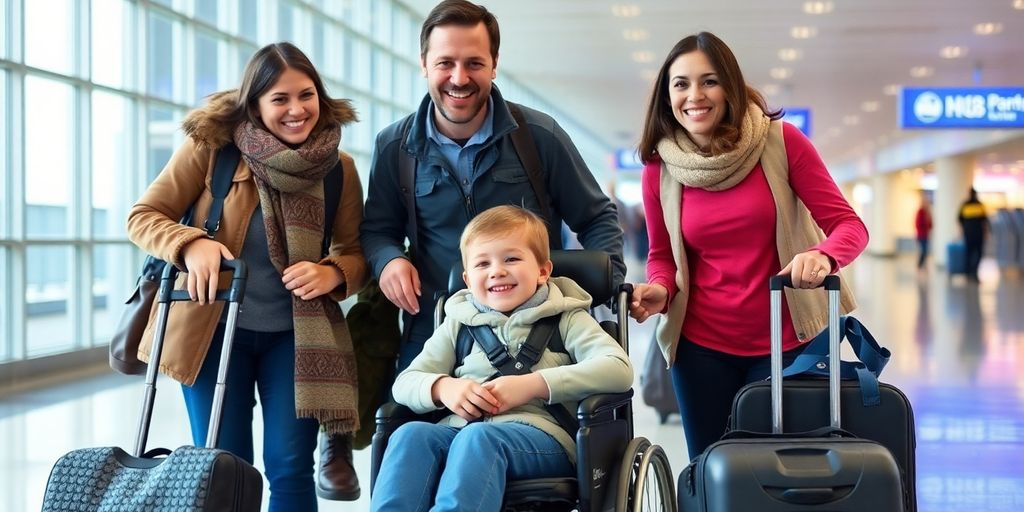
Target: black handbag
<point>124,344</point>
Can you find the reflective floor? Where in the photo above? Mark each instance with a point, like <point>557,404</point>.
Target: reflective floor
<point>958,353</point>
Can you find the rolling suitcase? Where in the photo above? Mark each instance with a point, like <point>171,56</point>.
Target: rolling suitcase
<point>956,258</point>
<point>883,415</point>
<point>822,470</point>
<point>188,479</point>
<point>656,382</point>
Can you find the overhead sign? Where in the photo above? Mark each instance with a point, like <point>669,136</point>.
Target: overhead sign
<point>627,159</point>
<point>962,107</point>
<point>799,117</point>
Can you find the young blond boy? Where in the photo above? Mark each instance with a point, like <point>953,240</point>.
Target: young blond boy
<point>499,428</point>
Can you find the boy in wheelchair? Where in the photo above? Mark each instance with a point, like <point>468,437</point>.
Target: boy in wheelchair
<point>506,423</point>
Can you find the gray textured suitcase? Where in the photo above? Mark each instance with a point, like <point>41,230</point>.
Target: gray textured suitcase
<point>822,470</point>
<point>189,479</point>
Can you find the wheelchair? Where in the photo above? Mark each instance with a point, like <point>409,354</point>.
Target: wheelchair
<point>614,470</point>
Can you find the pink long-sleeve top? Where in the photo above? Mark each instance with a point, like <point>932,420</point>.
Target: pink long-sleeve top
<point>729,238</point>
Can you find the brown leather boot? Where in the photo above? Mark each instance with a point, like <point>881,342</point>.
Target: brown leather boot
<point>336,477</point>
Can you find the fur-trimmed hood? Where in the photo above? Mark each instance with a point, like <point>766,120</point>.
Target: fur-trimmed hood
<point>209,125</point>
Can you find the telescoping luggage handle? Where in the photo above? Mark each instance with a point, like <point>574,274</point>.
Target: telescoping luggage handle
<point>167,294</point>
<point>831,285</point>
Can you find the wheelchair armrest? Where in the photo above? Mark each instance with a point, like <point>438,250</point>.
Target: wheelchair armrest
<point>602,407</point>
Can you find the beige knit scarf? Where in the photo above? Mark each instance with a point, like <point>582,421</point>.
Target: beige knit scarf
<point>690,167</point>
<point>290,185</point>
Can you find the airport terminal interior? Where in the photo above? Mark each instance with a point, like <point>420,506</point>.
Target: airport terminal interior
<point>907,101</point>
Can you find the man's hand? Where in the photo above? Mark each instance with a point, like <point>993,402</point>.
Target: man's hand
<point>202,261</point>
<point>308,280</point>
<point>400,283</point>
<point>464,397</point>
<point>515,390</point>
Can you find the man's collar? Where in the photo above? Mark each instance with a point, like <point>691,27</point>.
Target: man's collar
<point>481,135</point>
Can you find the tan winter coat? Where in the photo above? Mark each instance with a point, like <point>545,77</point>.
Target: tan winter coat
<point>153,226</point>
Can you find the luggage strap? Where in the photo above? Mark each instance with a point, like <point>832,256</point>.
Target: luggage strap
<point>544,335</point>
<point>873,358</point>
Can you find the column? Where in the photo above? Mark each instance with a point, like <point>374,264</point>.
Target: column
<point>955,175</point>
<point>882,240</point>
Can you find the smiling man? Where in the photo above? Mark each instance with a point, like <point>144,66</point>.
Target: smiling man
<point>459,145</point>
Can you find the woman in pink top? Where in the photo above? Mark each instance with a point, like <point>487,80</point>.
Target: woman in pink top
<point>732,196</point>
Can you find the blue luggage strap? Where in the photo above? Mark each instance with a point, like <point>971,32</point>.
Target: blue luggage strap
<point>873,358</point>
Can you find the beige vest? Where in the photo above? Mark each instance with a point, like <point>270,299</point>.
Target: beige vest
<point>795,232</point>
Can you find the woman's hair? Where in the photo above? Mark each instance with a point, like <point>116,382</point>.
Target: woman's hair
<point>660,121</point>
<point>504,220</point>
<point>460,13</point>
<point>265,67</point>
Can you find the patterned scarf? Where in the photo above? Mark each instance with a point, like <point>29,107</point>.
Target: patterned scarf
<point>691,168</point>
<point>290,185</point>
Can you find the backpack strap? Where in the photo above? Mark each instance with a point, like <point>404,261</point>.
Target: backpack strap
<point>544,331</point>
<point>333,184</point>
<point>526,149</point>
<point>223,173</point>
<point>407,185</point>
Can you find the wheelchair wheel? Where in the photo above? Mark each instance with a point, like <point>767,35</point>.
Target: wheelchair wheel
<point>645,479</point>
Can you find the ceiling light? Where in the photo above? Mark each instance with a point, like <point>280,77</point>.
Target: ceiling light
<point>781,73</point>
<point>952,52</point>
<point>834,131</point>
<point>1018,4</point>
<point>770,89</point>
<point>891,90</point>
<point>869,106</point>
<point>636,34</point>
<point>850,120</point>
<point>626,10</point>
<point>649,75</point>
<point>803,32</point>
<point>643,56</point>
<point>987,29</point>
<point>921,71</point>
<point>789,54</point>
<point>818,7</point>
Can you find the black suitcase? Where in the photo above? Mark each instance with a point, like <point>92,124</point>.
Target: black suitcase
<point>822,470</point>
<point>189,478</point>
<point>890,423</point>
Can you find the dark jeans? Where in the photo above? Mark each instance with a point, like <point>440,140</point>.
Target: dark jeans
<point>264,362</point>
<point>974,245</point>
<point>706,382</point>
<point>923,244</point>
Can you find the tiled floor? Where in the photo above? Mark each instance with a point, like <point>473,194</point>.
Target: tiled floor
<point>958,353</point>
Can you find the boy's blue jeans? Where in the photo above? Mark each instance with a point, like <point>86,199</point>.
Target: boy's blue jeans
<point>441,468</point>
<point>264,362</point>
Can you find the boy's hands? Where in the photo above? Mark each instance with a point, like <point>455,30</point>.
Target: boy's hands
<point>464,397</point>
<point>515,390</point>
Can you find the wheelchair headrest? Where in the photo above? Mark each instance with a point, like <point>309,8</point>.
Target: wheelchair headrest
<point>592,270</point>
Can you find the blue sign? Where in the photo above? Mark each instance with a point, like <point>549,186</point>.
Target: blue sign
<point>628,159</point>
<point>799,117</point>
<point>962,107</point>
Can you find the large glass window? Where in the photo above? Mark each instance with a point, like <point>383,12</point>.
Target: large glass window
<point>207,65</point>
<point>48,299</point>
<point>163,126</point>
<point>208,11</point>
<point>5,28</point>
<point>50,35</point>
<point>49,156</point>
<point>110,48</point>
<point>383,83</point>
<point>112,168</point>
<point>382,22</point>
<point>160,57</point>
<point>111,286</point>
<point>5,192</point>
<point>248,23</point>
<point>5,312</point>
<point>286,21</point>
